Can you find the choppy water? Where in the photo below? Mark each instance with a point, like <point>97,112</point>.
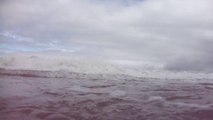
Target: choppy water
<point>31,95</point>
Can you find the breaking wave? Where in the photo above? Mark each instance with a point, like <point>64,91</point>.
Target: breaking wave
<point>64,66</point>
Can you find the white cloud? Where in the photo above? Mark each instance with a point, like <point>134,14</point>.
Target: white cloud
<point>160,31</point>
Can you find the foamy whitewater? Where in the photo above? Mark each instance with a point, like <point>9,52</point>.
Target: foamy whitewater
<point>73,63</point>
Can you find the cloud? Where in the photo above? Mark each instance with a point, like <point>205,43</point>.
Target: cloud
<point>201,60</point>
<point>173,33</point>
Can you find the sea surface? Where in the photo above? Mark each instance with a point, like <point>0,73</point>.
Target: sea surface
<point>61,95</point>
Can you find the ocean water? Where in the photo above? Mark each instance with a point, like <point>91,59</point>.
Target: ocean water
<point>39,95</point>
<point>40,87</point>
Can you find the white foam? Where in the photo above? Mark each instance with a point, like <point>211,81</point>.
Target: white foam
<point>117,93</point>
<point>155,98</point>
<point>77,88</point>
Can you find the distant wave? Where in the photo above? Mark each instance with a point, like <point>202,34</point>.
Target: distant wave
<point>63,74</point>
<point>43,65</point>
<point>57,63</point>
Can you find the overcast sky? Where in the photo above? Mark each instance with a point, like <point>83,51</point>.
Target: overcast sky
<point>177,34</point>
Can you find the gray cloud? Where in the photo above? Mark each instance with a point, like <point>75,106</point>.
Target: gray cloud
<point>173,33</point>
<point>201,60</point>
